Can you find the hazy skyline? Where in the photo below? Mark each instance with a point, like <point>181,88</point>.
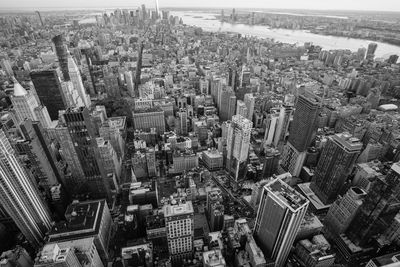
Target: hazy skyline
<point>383,5</point>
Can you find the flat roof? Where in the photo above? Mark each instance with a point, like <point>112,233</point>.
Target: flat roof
<point>312,197</point>
<point>82,220</point>
<point>179,209</point>
<point>286,193</point>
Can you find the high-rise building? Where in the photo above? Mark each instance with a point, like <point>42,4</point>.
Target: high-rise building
<point>82,132</point>
<point>40,159</point>
<point>179,221</point>
<point>282,129</point>
<point>305,122</point>
<point>334,165</point>
<point>215,210</point>
<point>238,144</point>
<point>182,122</point>
<point>379,208</point>
<point>76,79</point>
<point>27,107</point>
<point>62,55</point>
<point>6,66</point>
<point>112,164</point>
<point>226,104</point>
<point>19,196</point>
<point>250,101</point>
<point>241,108</point>
<point>279,217</point>
<point>48,87</point>
<point>88,222</point>
<point>343,210</point>
<point>371,50</point>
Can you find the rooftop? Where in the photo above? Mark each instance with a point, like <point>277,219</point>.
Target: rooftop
<point>287,194</point>
<point>178,209</point>
<point>82,220</point>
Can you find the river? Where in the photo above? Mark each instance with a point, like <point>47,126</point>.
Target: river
<point>208,22</point>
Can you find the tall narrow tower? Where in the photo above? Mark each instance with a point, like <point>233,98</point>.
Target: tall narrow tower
<point>279,217</point>
<point>19,196</point>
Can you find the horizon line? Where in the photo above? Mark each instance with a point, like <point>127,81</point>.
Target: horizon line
<point>54,8</point>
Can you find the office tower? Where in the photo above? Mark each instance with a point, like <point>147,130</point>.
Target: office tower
<point>149,118</point>
<point>250,101</point>
<point>182,126</point>
<point>279,217</point>
<point>6,66</point>
<point>139,255</point>
<point>62,55</point>
<point>41,160</point>
<point>179,221</point>
<point>19,196</point>
<point>76,79</point>
<point>282,129</point>
<point>215,210</point>
<point>343,210</point>
<point>271,162</point>
<point>26,106</point>
<point>241,108</point>
<point>114,129</point>
<point>304,122</point>
<point>111,163</point>
<point>379,208</point>
<point>82,132</point>
<point>86,219</point>
<point>371,50</point>
<point>40,18</point>
<point>272,121</point>
<point>335,164</point>
<point>226,104</point>
<point>48,87</point>
<point>238,143</point>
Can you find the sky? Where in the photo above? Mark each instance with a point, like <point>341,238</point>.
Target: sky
<point>373,5</point>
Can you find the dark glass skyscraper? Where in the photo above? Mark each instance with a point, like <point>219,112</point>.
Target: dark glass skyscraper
<point>48,88</point>
<point>62,55</point>
<point>303,127</point>
<point>82,132</point>
<point>334,166</point>
<point>379,208</point>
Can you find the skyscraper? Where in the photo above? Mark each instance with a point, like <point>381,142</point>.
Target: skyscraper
<point>305,122</point>
<point>62,55</point>
<point>380,206</point>
<point>343,210</point>
<point>371,50</point>
<point>301,134</point>
<point>279,217</point>
<point>76,79</point>
<point>238,143</point>
<point>180,230</point>
<point>48,87</point>
<point>334,165</point>
<point>182,122</point>
<point>27,107</point>
<point>82,132</point>
<point>241,108</point>
<point>250,101</point>
<point>226,104</point>
<point>19,196</point>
